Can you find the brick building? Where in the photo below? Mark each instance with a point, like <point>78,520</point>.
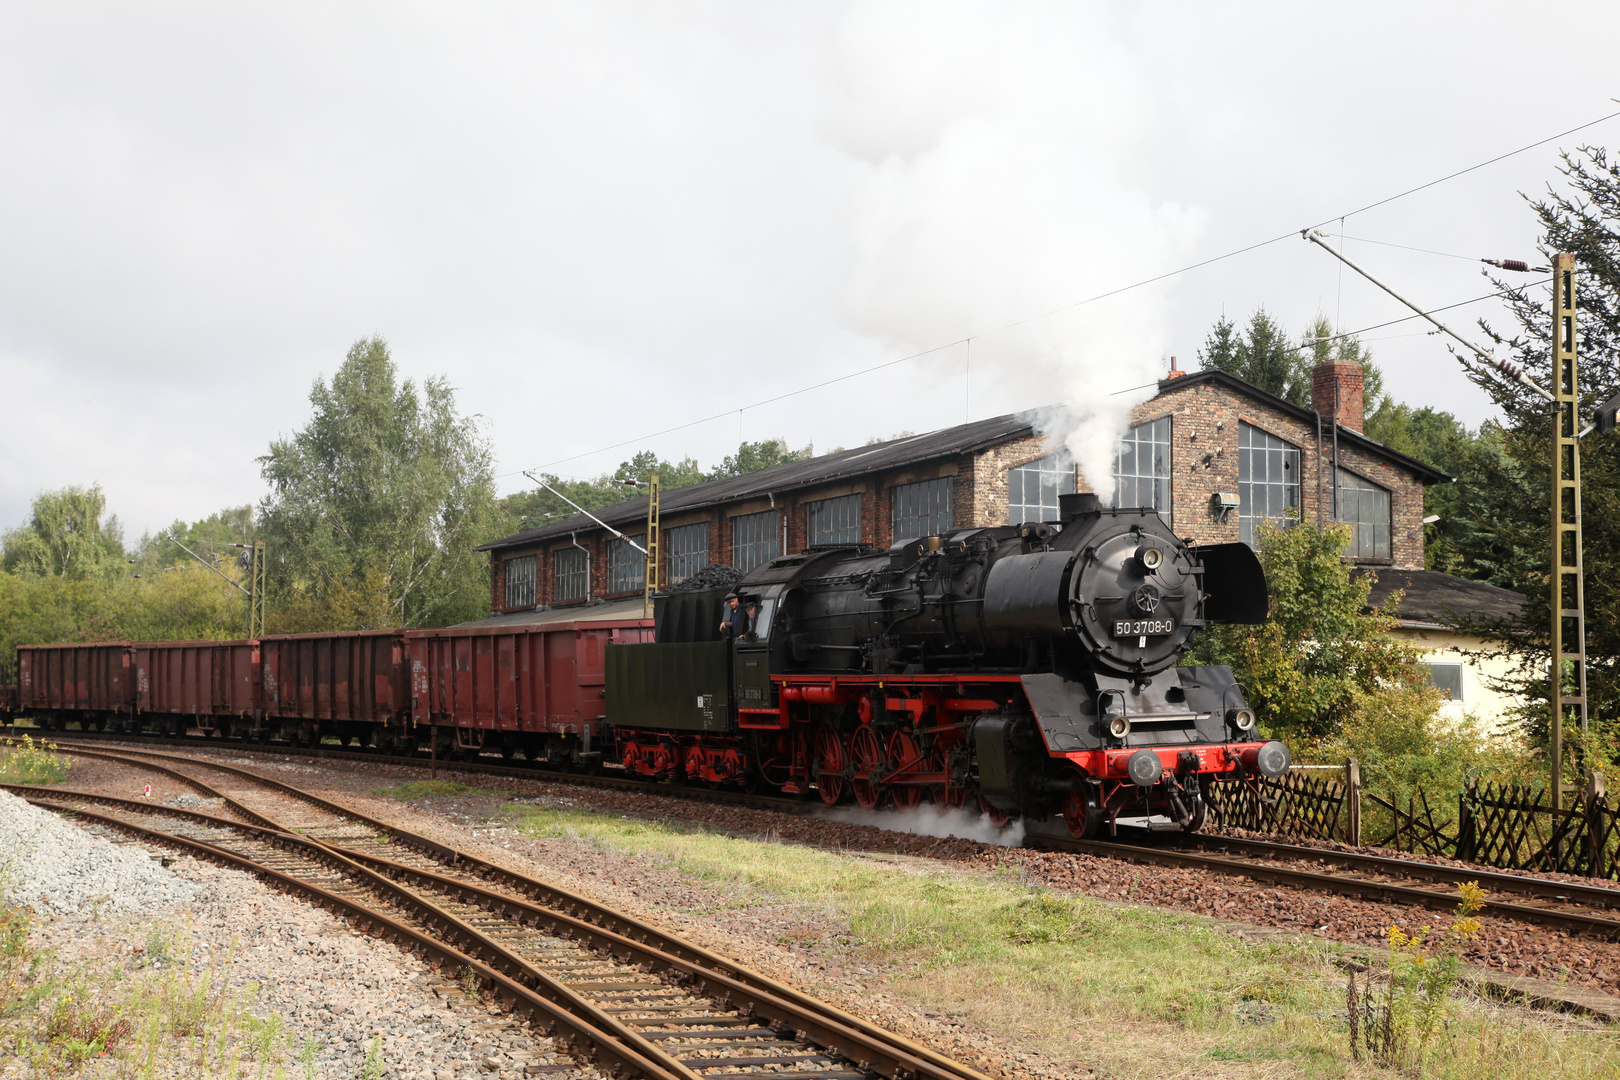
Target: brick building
<point>1215,455</point>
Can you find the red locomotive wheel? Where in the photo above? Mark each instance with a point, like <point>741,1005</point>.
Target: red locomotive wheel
<point>829,765</point>
<point>998,817</point>
<point>868,758</point>
<point>1081,814</point>
<point>905,754</point>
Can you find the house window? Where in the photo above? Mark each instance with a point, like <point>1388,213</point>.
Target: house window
<point>1448,679</point>
<point>627,567</point>
<point>572,580</point>
<point>755,539</point>
<point>688,550</point>
<point>520,582</point>
<point>923,509</point>
<point>1268,480</point>
<point>1142,467</point>
<point>1033,489</point>
<point>1364,506</point>
<point>835,521</point>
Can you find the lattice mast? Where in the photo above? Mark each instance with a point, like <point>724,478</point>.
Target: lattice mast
<point>1567,670</point>
<point>650,580</point>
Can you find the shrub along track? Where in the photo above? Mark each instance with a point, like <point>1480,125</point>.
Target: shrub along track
<point>1589,910</point>
<point>622,994</point>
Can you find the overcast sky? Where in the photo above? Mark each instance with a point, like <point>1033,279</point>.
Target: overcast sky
<point>602,220</point>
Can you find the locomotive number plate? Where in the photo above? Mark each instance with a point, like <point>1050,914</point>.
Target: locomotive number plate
<point>1143,627</point>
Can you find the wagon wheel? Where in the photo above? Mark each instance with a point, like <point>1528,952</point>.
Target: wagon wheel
<point>829,770</point>
<point>997,816</point>
<point>867,755</point>
<point>905,753</point>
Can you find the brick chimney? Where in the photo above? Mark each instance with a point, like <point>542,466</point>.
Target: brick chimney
<point>1336,392</point>
<point>1175,372</point>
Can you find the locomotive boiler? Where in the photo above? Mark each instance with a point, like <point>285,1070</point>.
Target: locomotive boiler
<point>1029,669</point>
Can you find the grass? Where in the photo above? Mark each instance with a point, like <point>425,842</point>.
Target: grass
<point>1136,992</point>
<point>429,789</point>
<point>153,1015</point>
<point>26,762</point>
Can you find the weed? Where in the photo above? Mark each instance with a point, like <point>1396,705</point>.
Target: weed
<point>306,1059</point>
<point>28,762</point>
<point>79,1025</point>
<point>373,1067</point>
<point>471,984</point>
<point>1395,1031</point>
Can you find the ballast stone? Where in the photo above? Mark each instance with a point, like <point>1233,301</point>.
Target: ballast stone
<point>52,866</point>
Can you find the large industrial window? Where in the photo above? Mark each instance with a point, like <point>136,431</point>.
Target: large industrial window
<point>1033,489</point>
<point>835,521</point>
<point>1142,467</point>
<point>923,509</point>
<point>1364,506</point>
<point>755,539</point>
<point>627,567</point>
<point>688,550</point>
<point>573,575</point>
<point>520,582</point>
<point>1448,679</point>
<point>1268,480</point>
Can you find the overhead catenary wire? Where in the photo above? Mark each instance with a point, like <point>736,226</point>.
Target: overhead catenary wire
<point>1200,264</point>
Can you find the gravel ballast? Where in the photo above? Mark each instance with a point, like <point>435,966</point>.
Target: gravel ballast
<point>52,866</point>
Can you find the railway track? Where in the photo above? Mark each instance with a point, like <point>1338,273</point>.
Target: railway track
<point>1578,908</point>
<point>617,993</point>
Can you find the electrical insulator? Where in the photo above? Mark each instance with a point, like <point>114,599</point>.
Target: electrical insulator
<point>1517,265</point>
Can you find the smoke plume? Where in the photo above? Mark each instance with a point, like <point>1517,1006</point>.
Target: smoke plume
<point>1009,153</point>
<point>966,823</point>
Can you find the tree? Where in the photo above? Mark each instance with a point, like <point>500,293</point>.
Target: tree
<point>216,538</point>
<point>1262,355</point>
<point>537,508</point>
<point>66,538</point>
<point>753,456</point>
<point>1322,657</point>
<point>1510,500</point>
<point>377,504</point>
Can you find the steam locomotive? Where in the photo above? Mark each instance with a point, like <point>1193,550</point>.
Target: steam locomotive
<point>1030,669</point>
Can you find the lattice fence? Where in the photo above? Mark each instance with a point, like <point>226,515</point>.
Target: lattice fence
<point>1507,826</point>
<point>1293,805</point>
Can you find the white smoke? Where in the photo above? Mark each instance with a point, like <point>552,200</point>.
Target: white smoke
<point>1010,151</point>
<point>965,823</point>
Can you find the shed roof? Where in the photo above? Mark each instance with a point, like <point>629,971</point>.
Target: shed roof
<point>910,450</point>
<point>1436,599</point>
<point>612,609</point>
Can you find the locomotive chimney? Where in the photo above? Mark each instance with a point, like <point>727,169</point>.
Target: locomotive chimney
<point>1078,505</point>
<point>1336,393</point>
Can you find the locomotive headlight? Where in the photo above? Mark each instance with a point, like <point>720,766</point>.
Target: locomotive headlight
<point>1242,718</point>
<point>1151,558</point>
<point>1119,726</point>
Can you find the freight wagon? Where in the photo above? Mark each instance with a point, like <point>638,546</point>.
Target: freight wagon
<point>535,689</point>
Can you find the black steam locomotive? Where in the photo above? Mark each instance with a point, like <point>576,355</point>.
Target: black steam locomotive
<point>1030,669</point>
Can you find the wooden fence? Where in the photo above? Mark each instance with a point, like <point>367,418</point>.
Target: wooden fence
<point>1505,826</point>
<point>1295,804</point>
